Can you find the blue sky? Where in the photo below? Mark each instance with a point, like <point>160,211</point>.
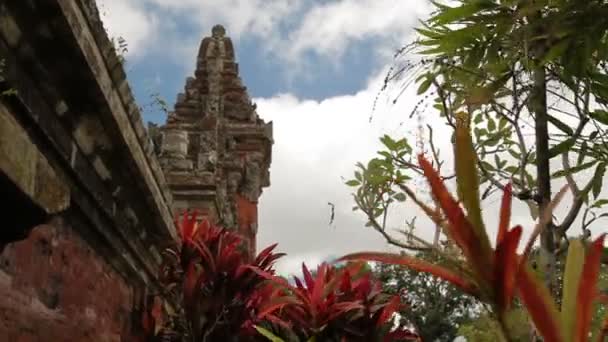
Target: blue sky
<point>314,68</point>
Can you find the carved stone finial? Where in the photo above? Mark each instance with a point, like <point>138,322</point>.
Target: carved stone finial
<point>218,31</point>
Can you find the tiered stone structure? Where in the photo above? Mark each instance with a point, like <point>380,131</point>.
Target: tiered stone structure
<point>214,149</point>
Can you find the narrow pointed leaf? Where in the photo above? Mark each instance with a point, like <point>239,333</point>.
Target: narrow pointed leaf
<point>540,305</point>
<point>507,265</point>
<point>478,253</point>
<point>467,179</point>
<point>505,214</point>
<point>588,290</point>
<point>457,280</point>
<point>389,310</point>
<point>572,275</point>
<point>266,333</point>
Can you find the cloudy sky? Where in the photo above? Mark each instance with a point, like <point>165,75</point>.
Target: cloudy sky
<point>314,68</point>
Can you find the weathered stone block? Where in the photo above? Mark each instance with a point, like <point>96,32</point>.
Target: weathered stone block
<point>175,142</point>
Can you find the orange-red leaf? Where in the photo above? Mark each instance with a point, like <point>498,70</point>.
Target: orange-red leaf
<point>506,267</point>
<point>587,290</point>
<point>389,310</point>
<point>505,214</point>
<point>540,305</point>
<point>464,284</point>
<point>461,230</point>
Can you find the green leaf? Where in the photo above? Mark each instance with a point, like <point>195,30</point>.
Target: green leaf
<point>598,179</point>
<point>400,197</point>
<point>467,179</point>
<point>561,148</point>
<point>502,123</point>
<point>600,203</point>
<point>425,85</point>
<point>600,115</point>
<point>353,182</point>
<point>449,15</point>
<point>572,275</point>
<point>573,170</point>
<point>491,124</point>
<point>560,125</point>
<point>266,333</point>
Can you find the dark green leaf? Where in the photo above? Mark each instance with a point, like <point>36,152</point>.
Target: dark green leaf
<point>561,126</point>
<point>353,182</point>
<point>600,203</point>
<point>400,197</point>
<point>425,85</point>
<point>600,115</point>
<point>573,170</point>
<point>561,148</point>
<point>598,179</point>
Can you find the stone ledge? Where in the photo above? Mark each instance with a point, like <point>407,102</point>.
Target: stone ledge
<point>93,41</point>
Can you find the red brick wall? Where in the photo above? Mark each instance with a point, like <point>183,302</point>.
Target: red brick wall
<point>247,212</point>
<point>53,287</point>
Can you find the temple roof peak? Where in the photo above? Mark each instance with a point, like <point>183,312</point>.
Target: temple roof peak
<point>218,31</point>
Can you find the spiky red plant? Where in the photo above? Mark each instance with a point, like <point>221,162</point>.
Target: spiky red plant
<point>344,304</point>
<point>221,294</point>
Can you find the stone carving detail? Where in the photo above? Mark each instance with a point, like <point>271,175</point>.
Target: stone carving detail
<point>228,155</point>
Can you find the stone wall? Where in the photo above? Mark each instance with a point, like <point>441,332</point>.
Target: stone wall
<point>56,288</point>
<point>88,195</point>
<point>86,211</point>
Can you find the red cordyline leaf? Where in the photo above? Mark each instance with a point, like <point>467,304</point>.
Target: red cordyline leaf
<point>505,214</point>
<point>307,277</point>
<point>465,285</point>
<point>460,228</point>
<point>346,284</point>
<point>188,226</point>
<point>540,305</point>
<point>387,313</point>
<point>319,285</point>
<point>275,304</point>
<point>190,280</point>
<point>506,267</point>
<point>588,290</point>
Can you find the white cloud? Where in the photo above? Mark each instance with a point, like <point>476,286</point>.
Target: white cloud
<point>287,28</point>
<point>329,29</point>
<point>130,20</point>
<point>317,143</point>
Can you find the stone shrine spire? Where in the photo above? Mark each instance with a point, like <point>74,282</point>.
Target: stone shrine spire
<point>215,151</point>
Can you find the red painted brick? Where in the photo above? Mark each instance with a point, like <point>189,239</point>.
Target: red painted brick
<point>54,287</point>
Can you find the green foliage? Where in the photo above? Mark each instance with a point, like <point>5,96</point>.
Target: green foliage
<point>485,328</point>
<point>434,307</point>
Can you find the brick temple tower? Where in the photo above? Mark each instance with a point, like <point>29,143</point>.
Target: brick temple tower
<point>214,149</point>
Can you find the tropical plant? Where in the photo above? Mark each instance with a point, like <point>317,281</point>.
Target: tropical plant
<point>533,77</point>
<point>221,294</point>
<point>495,275</point>
<point>340,304</point>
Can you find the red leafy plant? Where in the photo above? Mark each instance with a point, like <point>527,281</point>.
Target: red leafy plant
<point>221,294</point>
<point>339,304</point>
<point>495,275</point>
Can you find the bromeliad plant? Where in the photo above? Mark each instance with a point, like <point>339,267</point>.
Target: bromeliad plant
<point>223,297</point>
<point>340,304</point>
<point>495,275</point>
